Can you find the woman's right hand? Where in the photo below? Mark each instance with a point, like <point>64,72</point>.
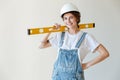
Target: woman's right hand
<point>56,26</point>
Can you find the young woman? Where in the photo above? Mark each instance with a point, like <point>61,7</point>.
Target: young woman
<point>73,45</point>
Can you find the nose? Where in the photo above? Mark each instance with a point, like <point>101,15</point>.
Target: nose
<point>68,20</point>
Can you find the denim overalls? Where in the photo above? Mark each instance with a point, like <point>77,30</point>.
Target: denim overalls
<point>67,65</point>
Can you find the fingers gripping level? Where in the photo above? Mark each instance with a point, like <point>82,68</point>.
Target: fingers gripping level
<point>34,31</point>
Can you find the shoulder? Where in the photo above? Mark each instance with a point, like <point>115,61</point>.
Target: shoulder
<point>87,34</point>
<point>91,42</point>
<point>82,33</point>
<point>89,38</point>
<point>56,34</point>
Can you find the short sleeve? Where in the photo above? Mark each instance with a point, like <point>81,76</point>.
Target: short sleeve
<point>91,42</point>
<point>54,40</point>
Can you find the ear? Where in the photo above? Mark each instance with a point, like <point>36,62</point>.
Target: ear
<point>78,20</point>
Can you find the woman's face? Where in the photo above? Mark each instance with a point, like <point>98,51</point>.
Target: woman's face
<point>70,20</point>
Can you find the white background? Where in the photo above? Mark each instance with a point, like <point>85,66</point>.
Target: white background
<point>20,57</point>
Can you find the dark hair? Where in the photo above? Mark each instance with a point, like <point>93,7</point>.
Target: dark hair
<point>76,14</point>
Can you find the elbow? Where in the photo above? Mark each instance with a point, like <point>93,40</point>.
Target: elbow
<point>104,51</point>
<point>107,54</point>
<point>41,46</point>
<point>44,45</point>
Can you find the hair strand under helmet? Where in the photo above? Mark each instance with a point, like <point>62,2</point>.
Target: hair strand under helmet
<point>68,8</point>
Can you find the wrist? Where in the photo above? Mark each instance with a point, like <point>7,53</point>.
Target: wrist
<point>87,65</point>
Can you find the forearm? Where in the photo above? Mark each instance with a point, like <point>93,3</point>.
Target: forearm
<point>45,42</point>
<point>103,54</point>
<point>45,39</point>
<point>95,60</point>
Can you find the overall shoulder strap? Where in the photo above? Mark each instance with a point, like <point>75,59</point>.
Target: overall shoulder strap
<point>62,38</point>
<point>80,40</point>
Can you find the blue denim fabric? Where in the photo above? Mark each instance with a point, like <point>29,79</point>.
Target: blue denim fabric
<point>67,66</point>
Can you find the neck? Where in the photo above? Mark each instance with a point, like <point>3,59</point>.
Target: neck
<point>73,31</point>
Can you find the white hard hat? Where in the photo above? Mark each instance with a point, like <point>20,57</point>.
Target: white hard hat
<point>67,8</point>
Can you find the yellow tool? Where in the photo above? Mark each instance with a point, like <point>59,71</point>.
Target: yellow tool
<point>34,31</point>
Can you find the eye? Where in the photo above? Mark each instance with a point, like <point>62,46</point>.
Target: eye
<point>71,17</point>
<point>65,18</point>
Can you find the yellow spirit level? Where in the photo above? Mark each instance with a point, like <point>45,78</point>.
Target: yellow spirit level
<point>34,31</point>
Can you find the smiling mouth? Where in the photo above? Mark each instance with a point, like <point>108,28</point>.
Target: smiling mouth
<point>69,24</point>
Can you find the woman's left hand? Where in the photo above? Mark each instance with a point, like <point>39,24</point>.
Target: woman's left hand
<point>85,66</point>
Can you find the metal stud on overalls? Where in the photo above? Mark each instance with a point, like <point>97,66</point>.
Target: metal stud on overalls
<point>67,66</point>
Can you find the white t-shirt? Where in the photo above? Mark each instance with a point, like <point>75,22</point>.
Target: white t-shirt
<point>88,45</point>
